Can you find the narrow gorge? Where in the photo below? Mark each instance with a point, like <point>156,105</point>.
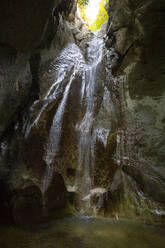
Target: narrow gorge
<point>82,124</point>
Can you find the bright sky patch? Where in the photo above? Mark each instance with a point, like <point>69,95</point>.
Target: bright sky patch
<point>92,10</point>
<point>94,13</point>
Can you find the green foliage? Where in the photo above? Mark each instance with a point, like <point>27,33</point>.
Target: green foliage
<point>82,2</point>
<point>83,15</point>
<point>102,16</point>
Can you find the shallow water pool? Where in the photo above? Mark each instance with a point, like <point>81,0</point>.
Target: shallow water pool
<point>84,232</point>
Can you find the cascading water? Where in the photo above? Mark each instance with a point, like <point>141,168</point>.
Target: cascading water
<point>54,137</point>
<point>71,60</point>
<point>83,133</point>
<point>86,135</point>
<point>79,80</point>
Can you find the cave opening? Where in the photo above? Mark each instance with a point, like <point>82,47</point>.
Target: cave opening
<point>93,12</point>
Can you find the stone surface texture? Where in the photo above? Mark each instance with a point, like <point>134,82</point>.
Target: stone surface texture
<point>129,165</point>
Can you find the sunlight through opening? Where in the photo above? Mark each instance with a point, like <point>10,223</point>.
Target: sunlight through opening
<point>92,10</point>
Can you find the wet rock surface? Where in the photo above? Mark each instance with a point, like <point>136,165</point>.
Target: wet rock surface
<point>27,31</point>
<point>15,85</point>
<point>135,30</point>
<point>87,119</point>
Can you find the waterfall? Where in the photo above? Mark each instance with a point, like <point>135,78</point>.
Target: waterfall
<point>54,137</point>
<point>86,135</point>
<point>80,78</point>
<point>71,60</point>
<point>67,66</point>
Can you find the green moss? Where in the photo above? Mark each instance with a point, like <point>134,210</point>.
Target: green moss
<point>111,143</point>
<point>139,208</point>
<point>102,17</point>
<point>127,204</point>
<point>82,2</point>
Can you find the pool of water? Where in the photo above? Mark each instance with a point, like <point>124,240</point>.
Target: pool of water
<point>84,232</point>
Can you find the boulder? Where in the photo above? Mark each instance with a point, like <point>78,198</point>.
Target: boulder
<point>26,206</point>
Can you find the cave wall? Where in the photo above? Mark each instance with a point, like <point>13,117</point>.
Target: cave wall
<point>28,48</point>
<point>23,25</point>
<point>26,29</point>
<point>31,32</point>
<point>135,29</point>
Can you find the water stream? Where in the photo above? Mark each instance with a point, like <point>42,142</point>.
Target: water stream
<point>72,60</point>
<point>54,137</point>
<point>83,74</point>
<point>86,135</point>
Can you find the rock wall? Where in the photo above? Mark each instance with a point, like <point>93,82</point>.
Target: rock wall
<point>136,31</point>
<point>130,105</point>
<point>31,32</point>
<point>26,30</point>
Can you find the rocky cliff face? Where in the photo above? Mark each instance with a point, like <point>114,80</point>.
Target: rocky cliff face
<point>30,32</point>
<point>26,29</point>
<point>68,115</point>
<point>136,31</point>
